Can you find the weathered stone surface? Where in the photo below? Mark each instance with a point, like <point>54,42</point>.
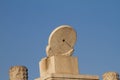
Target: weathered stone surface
<point>110,76</point>
<point>61,41</point>
<point>59,64</point>
<point>68,77</point>
<point>18,73</point>
<point>61,68</point>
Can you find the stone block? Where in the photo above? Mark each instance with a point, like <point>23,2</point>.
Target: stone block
<point>59,64</point>
<point>68,77</point>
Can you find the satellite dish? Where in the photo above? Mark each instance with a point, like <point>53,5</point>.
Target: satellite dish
<point>61,41</point>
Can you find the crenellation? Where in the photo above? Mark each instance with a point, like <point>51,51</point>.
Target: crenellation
<point>111,76</point>
<point>18,73</point>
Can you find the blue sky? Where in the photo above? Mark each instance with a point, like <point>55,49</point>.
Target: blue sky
<point>25,26</point>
